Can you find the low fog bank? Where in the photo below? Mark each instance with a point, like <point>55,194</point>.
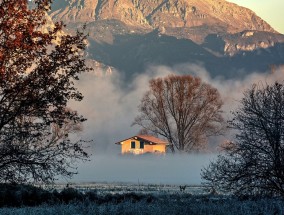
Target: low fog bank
<point>232,90</point>
<point>147,169</point>
<point>110,105</point>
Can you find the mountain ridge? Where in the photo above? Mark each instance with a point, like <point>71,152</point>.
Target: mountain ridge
<point>164,14</point>
<point>130,35</point>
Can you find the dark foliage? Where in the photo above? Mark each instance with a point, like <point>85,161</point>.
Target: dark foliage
<point>15,195</point>
<point>38,66</point>
<point>254,163</point>
<point>70,194</point>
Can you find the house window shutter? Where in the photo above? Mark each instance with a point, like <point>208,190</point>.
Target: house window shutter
<point>141,145</point>
<point>133,144</point>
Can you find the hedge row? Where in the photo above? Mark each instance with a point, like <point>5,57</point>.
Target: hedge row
<point>15,195</point>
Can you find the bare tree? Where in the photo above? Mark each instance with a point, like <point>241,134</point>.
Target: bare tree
<point>182,109</point>
<point>38,67</point>
<point>254,163</point>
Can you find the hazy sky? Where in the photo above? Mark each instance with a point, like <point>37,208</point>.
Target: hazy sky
<point>269,10</point>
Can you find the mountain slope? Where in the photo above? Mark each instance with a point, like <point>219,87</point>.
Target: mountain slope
<point>165,14</point>
<point>130,35</point>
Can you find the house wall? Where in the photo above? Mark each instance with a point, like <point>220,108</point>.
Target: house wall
<point>126,147</point>
<point>155,148</point>
<point>148,148</point>
<point>159,148</point>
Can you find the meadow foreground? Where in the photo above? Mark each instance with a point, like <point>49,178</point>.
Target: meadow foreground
<point>137,199</point>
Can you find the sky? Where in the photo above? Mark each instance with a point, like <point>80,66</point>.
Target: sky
<point>269,10</point>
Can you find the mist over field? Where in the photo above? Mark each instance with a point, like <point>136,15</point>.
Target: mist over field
<point>110,105</point>
<point>147,169</point>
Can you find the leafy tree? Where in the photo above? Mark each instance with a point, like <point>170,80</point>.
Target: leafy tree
<point>38,67</point>
<point>254,163</point>
<point>182,109</point>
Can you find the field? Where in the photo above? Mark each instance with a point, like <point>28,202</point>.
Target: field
<point>117,198</point>
<point>122,188</point>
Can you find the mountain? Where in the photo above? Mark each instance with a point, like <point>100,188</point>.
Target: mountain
<point>133,34</point>
<point>190,17</point>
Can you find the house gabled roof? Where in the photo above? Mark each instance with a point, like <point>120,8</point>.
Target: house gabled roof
<point>146,138</point>
<point>152,139</point>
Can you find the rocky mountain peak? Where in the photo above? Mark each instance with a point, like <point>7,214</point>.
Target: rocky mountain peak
<point>223,15</point>
<point>220,35</point>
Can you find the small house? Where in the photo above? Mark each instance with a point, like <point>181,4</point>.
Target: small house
<point>141,144</point>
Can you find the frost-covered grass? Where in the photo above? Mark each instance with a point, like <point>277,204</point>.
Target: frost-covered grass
<point>172,204</point>
<point>122,188</point>
<point>100,198</point>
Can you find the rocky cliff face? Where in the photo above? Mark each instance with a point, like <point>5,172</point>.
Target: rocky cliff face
<point>220,15</point>
<point>215,33</point>
<point>248,41</point>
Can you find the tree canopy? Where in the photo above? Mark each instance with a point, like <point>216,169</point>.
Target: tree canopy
<point>183,109</point>
<point>253,164</point>
<point>38,66</point>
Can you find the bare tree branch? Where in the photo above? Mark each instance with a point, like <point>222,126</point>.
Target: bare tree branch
<point>182,109</point>
<point>36,82</point>
<point>254,163</point>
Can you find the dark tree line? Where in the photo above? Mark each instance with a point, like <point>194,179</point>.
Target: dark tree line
<point>254,163</point>
<point>38,67</point>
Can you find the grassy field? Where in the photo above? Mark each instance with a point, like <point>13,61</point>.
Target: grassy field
<point>121,188</point>
<point>151,199</point>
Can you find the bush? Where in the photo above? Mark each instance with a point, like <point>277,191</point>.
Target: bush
<point>70,194</point>
<point>15,195</point>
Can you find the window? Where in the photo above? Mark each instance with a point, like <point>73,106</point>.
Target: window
<point>141,145</point>
<point>133,144</point>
